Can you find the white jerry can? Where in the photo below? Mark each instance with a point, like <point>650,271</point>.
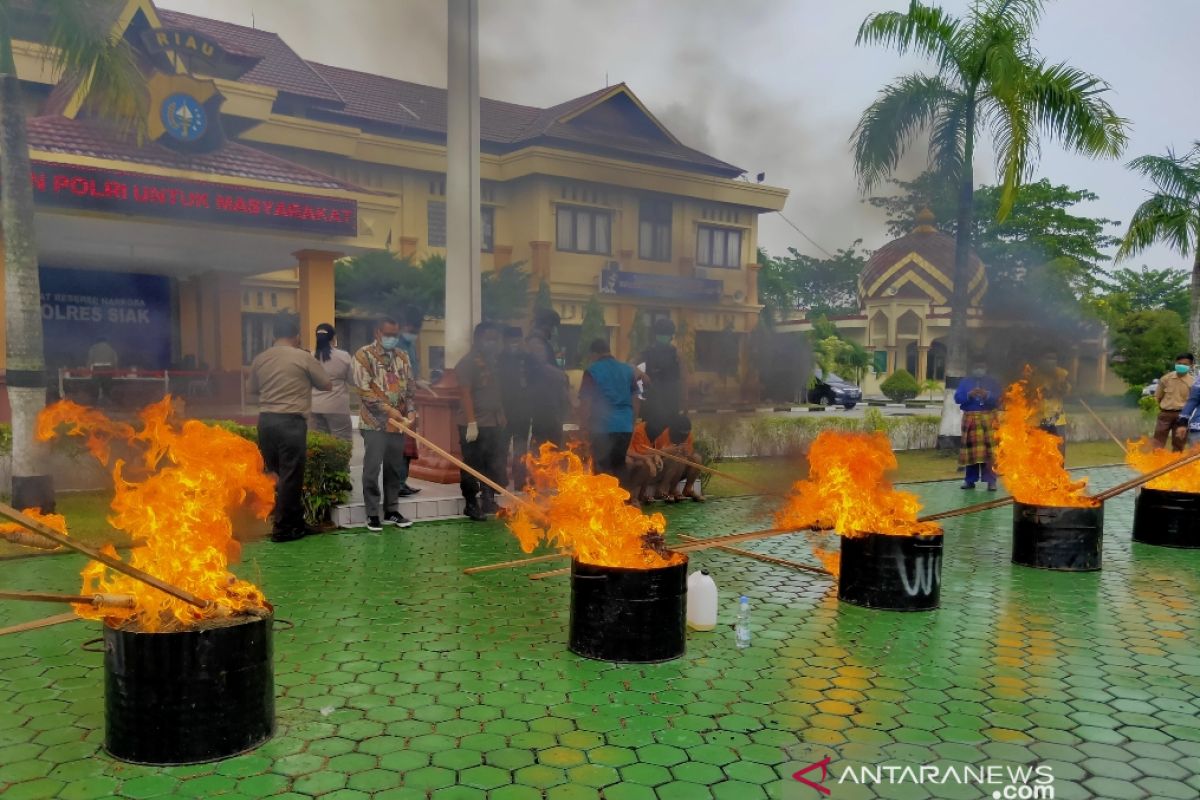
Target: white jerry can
<point>701,601</point>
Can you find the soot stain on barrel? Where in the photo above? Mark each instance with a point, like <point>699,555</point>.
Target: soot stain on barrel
<point>891,573</point>
<point>635,616</point>
<point>1167,519</point>
<point>1063,538</point>
<point>188,697</point>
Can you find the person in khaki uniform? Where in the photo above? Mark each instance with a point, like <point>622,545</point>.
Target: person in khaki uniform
<point>1172,395</point>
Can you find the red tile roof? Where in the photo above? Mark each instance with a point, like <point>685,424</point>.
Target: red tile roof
<point>233,160</point>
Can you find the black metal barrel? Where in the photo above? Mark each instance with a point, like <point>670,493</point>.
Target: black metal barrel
<point>189,696</point>
<point>1057,537</point>
<point>891,573</point>
<point>1167,519</point>
<point>634,616</point>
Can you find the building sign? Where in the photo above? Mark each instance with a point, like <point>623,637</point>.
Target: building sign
<point>191,201</point>
<point>615,281</point>
<point>131,310</point>
<point>192,48</point>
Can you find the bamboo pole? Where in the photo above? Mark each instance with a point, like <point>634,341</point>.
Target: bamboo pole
<point>1104,427</point>
<point>45,622</point>
<point>27,539</point>
<point>100,600</point>
<point>715,473</point>
<point>1142,480</point>
<point>971,509</point>
<point>520,562</point>
<point>765,558</point>
<point>404,428</point>
<point>11,514</point>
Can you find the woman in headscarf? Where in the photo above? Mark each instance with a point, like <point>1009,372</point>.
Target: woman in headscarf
<point>331,409</point>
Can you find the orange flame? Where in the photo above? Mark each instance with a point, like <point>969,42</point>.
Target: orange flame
<point>1143,456</point>
<point>846,490</point>
<point>56,521</point>
<point>585,515</point>
<point>177,497</point>
<point>1027,457</point>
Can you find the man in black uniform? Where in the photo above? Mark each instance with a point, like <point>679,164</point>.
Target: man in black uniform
<point>546,381</point>
<point>664,390</point>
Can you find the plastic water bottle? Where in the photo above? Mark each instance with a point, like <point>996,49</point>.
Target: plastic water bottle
<point>701,601</point>
<point>742,629</point>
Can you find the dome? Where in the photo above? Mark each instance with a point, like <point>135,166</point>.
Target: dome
<point>919,265</point>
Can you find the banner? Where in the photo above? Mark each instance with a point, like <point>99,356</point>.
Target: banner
<point>668,287</point>
<point>131,310</point>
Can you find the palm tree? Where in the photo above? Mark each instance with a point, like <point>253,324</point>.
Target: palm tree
<point>1172,216</point>
<point>87,55</point>
<point>988,74</point>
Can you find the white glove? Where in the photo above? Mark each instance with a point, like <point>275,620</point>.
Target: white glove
<point>472,432</point>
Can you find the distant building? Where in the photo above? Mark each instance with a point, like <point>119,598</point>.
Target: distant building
<point>262,169</point>
<point>904,294</point>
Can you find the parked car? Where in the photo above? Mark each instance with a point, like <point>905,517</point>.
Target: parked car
<point>1151,389</point>
<point>832,390</point>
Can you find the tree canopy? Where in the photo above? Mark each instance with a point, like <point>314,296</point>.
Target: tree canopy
<point>1145,343</point>
<point>821,286</point>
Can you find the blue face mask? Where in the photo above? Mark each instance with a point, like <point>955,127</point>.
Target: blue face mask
<point>389,342</point>
<point>1182,369</point>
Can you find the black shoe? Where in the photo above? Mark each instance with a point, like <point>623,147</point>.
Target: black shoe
<point>374,525</point>
<point>397,519</point>
<point>280,537</point>
<point>407,491</point>
<point>489,505</point>
<point>474,512</point>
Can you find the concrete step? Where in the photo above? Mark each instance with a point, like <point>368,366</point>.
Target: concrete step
<point>418,509</point>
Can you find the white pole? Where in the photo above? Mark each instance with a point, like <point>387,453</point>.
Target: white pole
<point>463,225</point>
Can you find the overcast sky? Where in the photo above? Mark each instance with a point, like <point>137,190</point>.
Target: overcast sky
<point>770,85</point>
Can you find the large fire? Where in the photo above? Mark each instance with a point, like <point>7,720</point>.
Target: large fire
<point>1143,456</point>
<point>847,491</point>
<point>176,496</point>
<point>1028,458</point>
<point>586,515</point>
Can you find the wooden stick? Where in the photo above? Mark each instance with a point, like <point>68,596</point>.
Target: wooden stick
<point>971,509</point>
<point>1141,480</point>
<point>100,600</point>
<point>11,514</point>
<point>1104,427</point>
<point>27,539</point>
<point>403,428</point>
<point>768,559</point>
<point>710,470</point>
<point>520,562</point>
<point>45,622</point>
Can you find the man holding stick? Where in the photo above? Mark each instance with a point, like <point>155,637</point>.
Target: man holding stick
<point>1172,395</point>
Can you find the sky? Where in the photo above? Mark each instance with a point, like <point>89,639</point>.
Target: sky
<point>774,86</point>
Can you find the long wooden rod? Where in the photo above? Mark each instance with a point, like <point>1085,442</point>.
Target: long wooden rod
<point>100,600</point>
<point>715,473</point>
<point>1142,480</point>
<point>764,557</point>
<point>27,539</point>
<point>520,562</point>
<point>44,622</point>
<point>1104,427</point>
<point>403,428</point>
<point>11,514</point>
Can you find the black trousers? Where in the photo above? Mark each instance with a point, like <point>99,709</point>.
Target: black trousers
<point>513,449</point>
<point>282,440</point>
<point>486,455</point>
<point>546,428</point>
<point>608,454</point>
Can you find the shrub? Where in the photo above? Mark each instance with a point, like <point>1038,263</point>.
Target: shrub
<point>900,386</point>
<point>326,471</point>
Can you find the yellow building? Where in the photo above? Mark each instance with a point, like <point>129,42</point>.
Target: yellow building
<point>262,169</point>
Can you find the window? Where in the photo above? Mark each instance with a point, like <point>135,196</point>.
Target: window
<point>437,358</point>
<point>258,332</point>
<point>274,300</point>
<point>584,230</point>
<point>435,219</point>
<point>717,351</point>
<point>654,230</point>
<point>719,247</point>
<point>258,296</point>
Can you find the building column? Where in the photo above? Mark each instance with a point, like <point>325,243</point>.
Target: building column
<point>501,255</point>
<point>408,246</point>
<point>314,300</point>
<point>625,316</point>
<point>539,262</point>
<point>227,310</point>
<point>752,283</point>
<point>892,354</point>
<point>922,363</point>
<point>189,320</point>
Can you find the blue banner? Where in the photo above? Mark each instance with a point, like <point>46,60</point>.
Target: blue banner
<point>671,287</point>
<point>131,310</point>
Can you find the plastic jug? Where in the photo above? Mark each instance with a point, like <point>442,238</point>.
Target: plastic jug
<point>701,601</point>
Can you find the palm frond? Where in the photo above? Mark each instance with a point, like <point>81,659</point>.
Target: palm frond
<point>1172,174</point>
<point>947,139</point>
<point>926,30</point>
<point>1067,104</point>
<point>1163,218</point>
<point>88,53</point>
<point>883,134</point>
<point>1020,16</point>
<point>1013,131</point>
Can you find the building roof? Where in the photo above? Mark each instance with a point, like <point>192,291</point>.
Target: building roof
<point>919,264</point>
<point>232,160</point>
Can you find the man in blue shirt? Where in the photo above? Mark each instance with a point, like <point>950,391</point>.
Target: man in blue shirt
<point>978,395</point>
<point>606,409</point>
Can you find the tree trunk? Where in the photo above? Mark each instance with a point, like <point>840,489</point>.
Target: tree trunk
<point>950,431</point>
<point>25,374</point>
<point>1194,310</point>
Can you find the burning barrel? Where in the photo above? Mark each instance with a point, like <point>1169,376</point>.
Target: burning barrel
<point>891,573</point>
<point>1066,538</point>
<point>1167,519</point>
<point>188,696</point>
<point>634,616</point>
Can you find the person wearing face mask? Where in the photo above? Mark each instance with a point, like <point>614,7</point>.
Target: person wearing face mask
<point>1172,395</point>
<point>1054,383</point>
<point>481,421</point>
<point>606,411</point>
<point>978,395</point>
<point>282,378</point>
<point>663,389</point>
<point>384,380</point>
<point>331,409</point>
